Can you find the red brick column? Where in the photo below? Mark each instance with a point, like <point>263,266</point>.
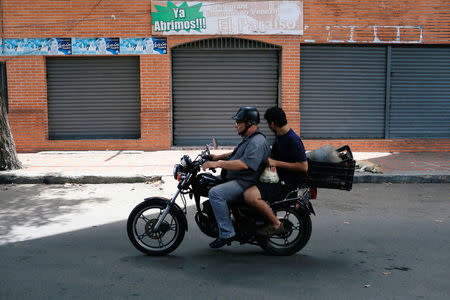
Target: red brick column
<point>27,95</point>
<point>156,102</point>
<point>290,83</point>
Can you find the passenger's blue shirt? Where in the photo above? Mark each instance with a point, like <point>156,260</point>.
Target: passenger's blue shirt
<point>288,148</point>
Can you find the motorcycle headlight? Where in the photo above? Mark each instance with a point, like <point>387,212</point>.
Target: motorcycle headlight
<point>177,169</point>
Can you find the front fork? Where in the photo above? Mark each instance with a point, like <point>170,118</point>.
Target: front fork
<point>183,184</point>
<point>166,211</point>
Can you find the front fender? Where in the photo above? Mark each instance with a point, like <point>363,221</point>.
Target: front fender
<point>173,207</point>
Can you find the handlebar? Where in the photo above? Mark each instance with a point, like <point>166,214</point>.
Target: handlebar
<point>206,156</point>
<point>194,166</point>
<point>203,157</point>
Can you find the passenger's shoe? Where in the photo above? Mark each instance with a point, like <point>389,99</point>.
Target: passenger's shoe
<point>269,230</point>
<point>220,242</point>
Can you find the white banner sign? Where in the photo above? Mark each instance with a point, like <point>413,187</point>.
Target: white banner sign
<point>227,17</point>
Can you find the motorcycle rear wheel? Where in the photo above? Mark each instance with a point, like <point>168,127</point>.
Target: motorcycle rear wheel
<point>296,234</point>
<point>155,243</point>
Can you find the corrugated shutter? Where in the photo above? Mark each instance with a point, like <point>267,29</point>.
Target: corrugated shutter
<point>93,97</point>
<point>420,93</point>
<point>342,91</point>
<point>212,79</point>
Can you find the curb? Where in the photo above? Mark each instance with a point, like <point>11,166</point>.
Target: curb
<point>88,179</point>
<point>101,179</point>
<point>386,178</point>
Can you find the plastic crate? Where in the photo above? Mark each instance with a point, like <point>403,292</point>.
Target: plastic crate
<point>332,175</point>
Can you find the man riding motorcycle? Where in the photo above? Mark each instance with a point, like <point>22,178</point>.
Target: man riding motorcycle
<point>157,225</point>
<point>241,169</point>
<point>289,157</point>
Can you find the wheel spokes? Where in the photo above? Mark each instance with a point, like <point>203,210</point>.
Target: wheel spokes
<point>160,242</point>
<point>292,224</point>
<point>155,239</point>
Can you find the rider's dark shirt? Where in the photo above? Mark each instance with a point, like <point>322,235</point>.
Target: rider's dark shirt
<point>288,148</point>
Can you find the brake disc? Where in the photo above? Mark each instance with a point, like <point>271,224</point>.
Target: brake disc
<point>163,228</point>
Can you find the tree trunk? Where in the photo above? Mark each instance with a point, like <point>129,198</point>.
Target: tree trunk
<point>8,154</point>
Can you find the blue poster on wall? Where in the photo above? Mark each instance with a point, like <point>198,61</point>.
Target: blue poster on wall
<point>112,46</point>
<point>57,46</point>
<point>83,46</point>
<point>132,46</point>
<point>35,46</point>
<point>15,46</point>
<point>159,45</point>
<point>96,46</point>
<point>107,46</point>
<point>143,46</point>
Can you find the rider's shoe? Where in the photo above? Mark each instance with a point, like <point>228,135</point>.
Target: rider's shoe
<point>269,230</point>
<point>220,242</point>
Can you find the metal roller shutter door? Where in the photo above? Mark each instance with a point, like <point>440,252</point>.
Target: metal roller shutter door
<point>210,85</point>
<point>93,98</point>
<point>420,93</point>
<point>342,91</point>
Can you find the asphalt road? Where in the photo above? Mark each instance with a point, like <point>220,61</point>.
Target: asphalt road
<point>379,241</point>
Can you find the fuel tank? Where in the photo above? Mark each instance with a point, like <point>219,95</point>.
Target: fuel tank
<point>206,181</point>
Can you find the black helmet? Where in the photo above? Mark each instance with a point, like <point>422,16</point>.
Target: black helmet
<point>247,114</point>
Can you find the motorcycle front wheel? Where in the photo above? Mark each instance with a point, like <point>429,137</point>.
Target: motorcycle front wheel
<point>140,226</point>
<point>296,234</point>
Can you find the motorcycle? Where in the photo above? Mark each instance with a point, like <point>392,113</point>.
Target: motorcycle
<point>157,225</point>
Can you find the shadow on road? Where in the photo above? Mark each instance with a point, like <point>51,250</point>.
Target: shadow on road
<point>39,205</point>
<point>106,250</point>
<point>373,244</point>
<point>232,264</point>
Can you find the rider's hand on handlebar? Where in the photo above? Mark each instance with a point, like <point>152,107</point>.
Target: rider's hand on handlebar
<point>210,165</point>
<point>213,157</point>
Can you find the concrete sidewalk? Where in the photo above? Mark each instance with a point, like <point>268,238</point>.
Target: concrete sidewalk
<point>139,166</point>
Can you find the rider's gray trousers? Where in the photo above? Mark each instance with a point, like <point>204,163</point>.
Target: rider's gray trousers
<point>219,196</point>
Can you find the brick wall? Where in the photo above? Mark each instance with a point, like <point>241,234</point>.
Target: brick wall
<point>379,21</point>
<point>78,18</point>
<point>410,22</point>
<point>27,94</point>
<point>350,22</point>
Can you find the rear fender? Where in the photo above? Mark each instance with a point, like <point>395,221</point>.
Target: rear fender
<point>309,207</point>
<point>173,207</point>
<point>297,204</point>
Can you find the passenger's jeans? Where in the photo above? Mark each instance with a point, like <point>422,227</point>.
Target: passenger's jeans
<point>219,196</point>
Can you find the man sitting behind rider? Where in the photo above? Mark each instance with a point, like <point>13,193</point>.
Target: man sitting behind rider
<point>288,156</point>
<point>242,168</point>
